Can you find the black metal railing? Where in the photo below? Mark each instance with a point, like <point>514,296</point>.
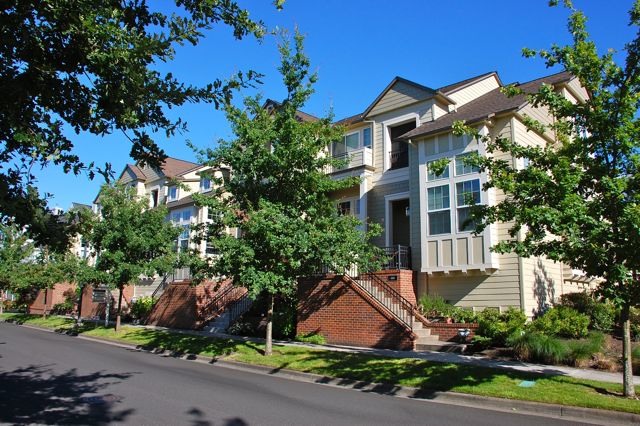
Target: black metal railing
<point>399,159</point>
<point>223,299</point>
<point>239,307</point>
<point>401,308</point>
<point>398,257</point>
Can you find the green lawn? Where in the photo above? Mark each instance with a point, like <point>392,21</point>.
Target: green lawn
<point>426,375</point>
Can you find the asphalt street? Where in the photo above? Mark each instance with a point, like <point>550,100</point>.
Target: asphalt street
<point>49,378</point>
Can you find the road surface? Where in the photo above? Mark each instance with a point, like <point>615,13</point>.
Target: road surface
<point>49,378</point>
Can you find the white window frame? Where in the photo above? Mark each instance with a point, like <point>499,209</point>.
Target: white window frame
<point>354,205</point>
<point>464,205</point>
<point>360,133</point>
<point>442,183</point>
<point>177,195</point>
<point>202,181</point>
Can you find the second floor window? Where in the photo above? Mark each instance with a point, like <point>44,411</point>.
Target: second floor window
<point>352,141</point>
<point>173,193</point>
<point>205,184</point>
<point>439,210</point>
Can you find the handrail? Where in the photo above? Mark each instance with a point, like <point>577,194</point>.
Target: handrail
<point>239,307</point>
<point>161,286</point>
<point>215,307</point>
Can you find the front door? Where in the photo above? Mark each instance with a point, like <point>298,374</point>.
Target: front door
<point>400,226</point>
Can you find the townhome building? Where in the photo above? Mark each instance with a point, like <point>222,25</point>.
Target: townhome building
<point>430,245</point>
<point>391,146</point>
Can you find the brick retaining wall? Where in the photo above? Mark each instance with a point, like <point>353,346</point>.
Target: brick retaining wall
<point>331,307</point>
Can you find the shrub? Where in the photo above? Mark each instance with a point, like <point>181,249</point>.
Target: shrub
<point>63,308</point>
<point>463,315</point>
<point>584,349</point>
<point>601,313</point>
<point>561,321</point>
<point>315,338</point>
<point>434,306</point>
<point>481,343</point>
<point>499,326</point>
<point>284,322</point>
<point>537,347</point>
<point>242,328</point>
<point>142,307</point>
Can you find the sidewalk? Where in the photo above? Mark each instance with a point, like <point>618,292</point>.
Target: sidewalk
<point>446,357</point>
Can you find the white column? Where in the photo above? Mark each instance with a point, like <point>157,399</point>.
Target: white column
<point>364,189</point>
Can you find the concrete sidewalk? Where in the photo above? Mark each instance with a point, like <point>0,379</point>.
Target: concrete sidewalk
<point>578,373</point>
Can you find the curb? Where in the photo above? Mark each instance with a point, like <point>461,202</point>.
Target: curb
<point>589,415</point>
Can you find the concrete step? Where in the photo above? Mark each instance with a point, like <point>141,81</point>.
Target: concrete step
<point>423,332</point>
<point>442,347</point>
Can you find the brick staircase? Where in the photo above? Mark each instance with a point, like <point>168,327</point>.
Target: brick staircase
<point>405,312</point>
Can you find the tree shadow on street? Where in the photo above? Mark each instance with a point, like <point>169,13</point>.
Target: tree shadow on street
<point>38,395</point>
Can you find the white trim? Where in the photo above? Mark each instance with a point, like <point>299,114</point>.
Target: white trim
<point>386,140</point>
<point>387,213</point>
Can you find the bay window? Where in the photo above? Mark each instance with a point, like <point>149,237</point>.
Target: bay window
<point>352,142</point>
<point>439,210</point>
<point>467,194</point>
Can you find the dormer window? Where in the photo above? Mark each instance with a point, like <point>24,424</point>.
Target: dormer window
<point>173,193</point>
<point>205,184</point>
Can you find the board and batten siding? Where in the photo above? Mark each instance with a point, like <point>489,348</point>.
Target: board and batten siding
<point>399,95</point>
<point>415,208</point>
<point>474,91</point>
<point>376,205</point>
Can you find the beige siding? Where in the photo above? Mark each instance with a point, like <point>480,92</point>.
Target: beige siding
<point>401,94</point>
<point>469,93</point>
<point>498,290</point>
<point>540,114</point>
<point>577,88</point>
<point>542,284</point>
<point>127,176</point>
<point>376,205</point>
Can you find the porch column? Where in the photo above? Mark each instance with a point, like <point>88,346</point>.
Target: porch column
<point>364,189</point>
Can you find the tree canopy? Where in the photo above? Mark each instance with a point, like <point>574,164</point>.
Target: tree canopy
<point>130,239</point>
<point>577,201</point>
<point>278,194</point>
<point>70,67</point>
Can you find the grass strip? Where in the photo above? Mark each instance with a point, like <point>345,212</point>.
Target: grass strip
<point>426,375</point>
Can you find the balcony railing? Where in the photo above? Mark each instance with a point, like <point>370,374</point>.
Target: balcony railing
<point>399,159</point>
<point>353,159</point>
<point>181,274</point>
<point>398,257</point>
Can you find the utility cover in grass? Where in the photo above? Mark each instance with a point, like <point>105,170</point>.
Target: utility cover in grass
<point>527,384</point>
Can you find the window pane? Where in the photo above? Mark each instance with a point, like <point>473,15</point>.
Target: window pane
<point>463,169</point>
<point>467,191</point>
<point>352,141</point>
<point>338,148</point>
<point>173,193</point>
<point>186,216</point>
<point>366,137</point>
<point>185,232</point>
<point>440,223</point>
<point>205,183</point>
<point>464,222</point>
<point>175,217</point>
<point>344,208</point>
<point>438,197</point>
<point>431,176</point>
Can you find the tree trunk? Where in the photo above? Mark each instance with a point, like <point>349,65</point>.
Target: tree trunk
<point>1,302</point>
<point>79,316</point>
<point>627,367</point>
<point>268,348</point>
<point>119,309</point>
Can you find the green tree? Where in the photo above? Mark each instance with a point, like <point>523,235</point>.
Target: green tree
<point>577,202</point>
<point>90,66</point>
<point>130,240</point>
<point>24,267</point>
<point>277,194</point>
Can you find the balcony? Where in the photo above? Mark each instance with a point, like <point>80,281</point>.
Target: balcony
<point>399,159</point>
<point>398,257</point>
<point>352,159</point>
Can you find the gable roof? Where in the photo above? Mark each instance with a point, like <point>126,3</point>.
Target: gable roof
<point>172,167</point>
<point>486,106</point>
<point>450,88</point>
<point>427,90</point>
<point>300,115</point>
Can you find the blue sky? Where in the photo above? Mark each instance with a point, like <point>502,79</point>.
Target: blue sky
<point>357,47</point>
